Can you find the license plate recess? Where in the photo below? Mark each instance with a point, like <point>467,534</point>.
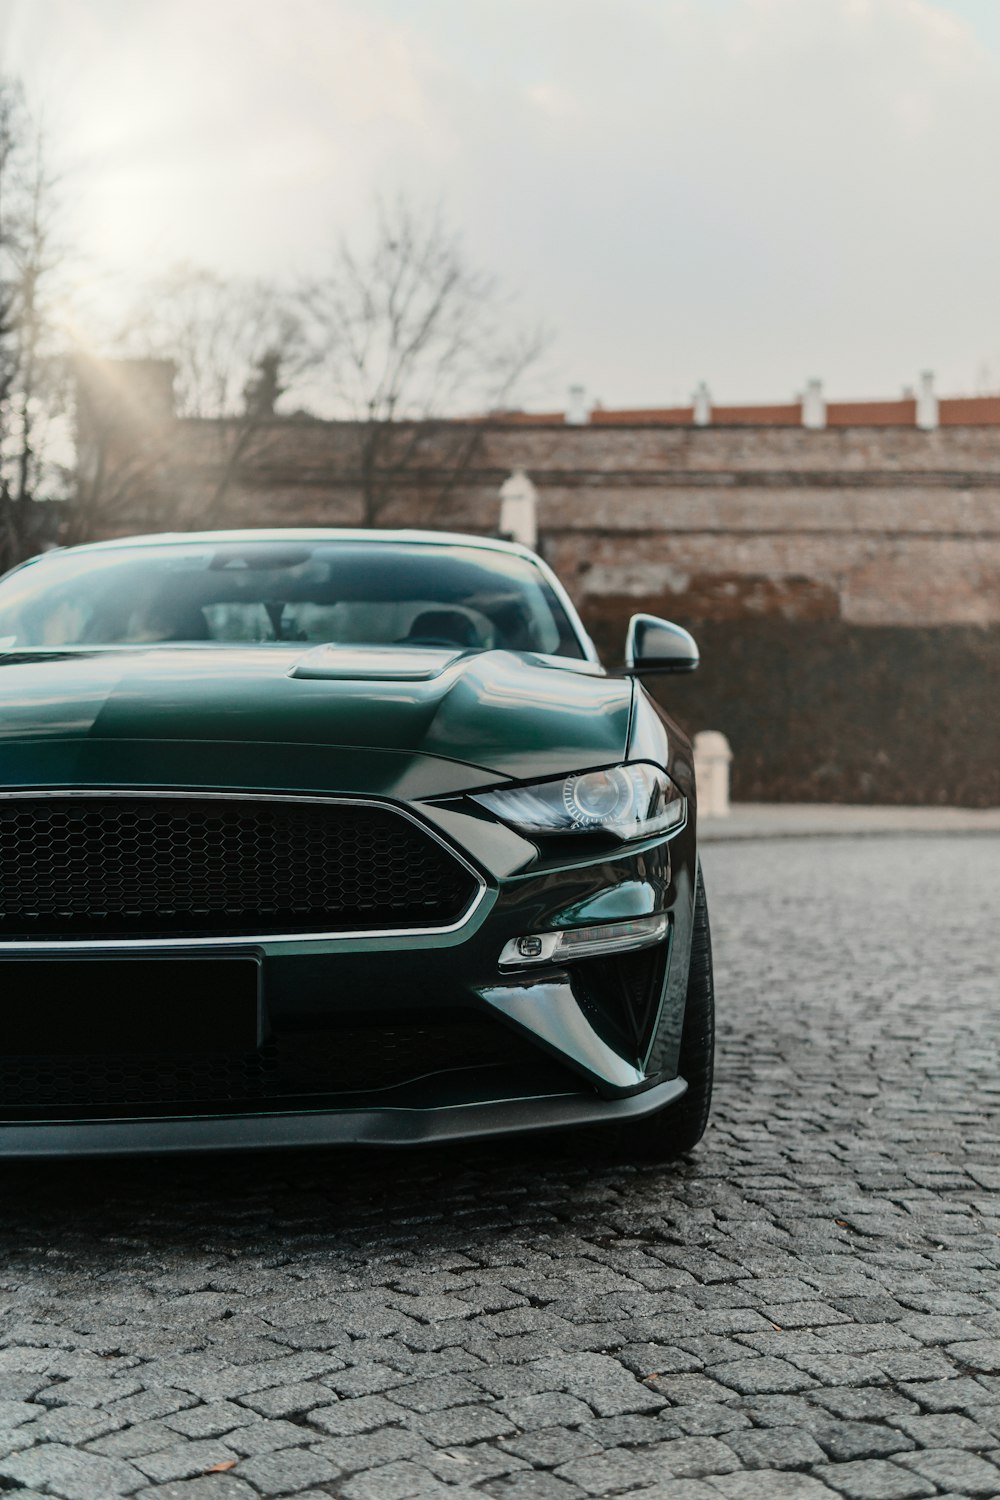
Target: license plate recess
<point>128,1006</point>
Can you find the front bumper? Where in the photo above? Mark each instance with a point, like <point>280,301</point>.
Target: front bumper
<point>572,1048</point>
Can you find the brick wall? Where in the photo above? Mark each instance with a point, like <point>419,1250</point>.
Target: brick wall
<point>877,526</point>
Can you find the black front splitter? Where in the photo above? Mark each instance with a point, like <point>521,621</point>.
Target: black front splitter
<point>380,1126</point>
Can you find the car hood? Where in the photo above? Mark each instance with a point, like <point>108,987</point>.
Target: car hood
<point>495,713</point>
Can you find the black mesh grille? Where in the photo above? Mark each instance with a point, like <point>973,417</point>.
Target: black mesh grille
<point>199,867</point>
<point>305,1069</point>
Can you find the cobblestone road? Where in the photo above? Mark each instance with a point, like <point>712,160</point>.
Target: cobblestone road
<point>809,1306</point>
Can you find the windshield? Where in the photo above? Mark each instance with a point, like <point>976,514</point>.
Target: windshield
<point>357,593</point>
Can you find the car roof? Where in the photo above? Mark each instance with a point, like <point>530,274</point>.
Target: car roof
<point>309,534</point>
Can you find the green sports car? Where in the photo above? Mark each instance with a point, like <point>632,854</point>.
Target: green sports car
<point>338,836</point>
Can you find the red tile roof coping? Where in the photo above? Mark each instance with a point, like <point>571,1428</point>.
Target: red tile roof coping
<point>522,418</point>
<point>871,413</point>
<point>758,416</point>
<point>665,416</point>
<point>969,411</point>
<point>953,411</point>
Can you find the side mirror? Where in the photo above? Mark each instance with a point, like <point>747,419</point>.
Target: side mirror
<point>654,645</point>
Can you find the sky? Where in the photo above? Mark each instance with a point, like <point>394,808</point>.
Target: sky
<point>746,192</point>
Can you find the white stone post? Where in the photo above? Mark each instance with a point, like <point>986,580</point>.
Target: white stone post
<point>576,411</point>
<point>701,406</point>
<point>927,403</point>
<point>519,509</point>
<point>712,757</point>
<point>814,405</point>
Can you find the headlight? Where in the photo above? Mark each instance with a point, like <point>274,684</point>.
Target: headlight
<point>629,802</point>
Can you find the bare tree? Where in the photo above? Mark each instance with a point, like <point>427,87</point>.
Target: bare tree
<point>235,347</point>
<point>30,374</point>
<point>407,336</point>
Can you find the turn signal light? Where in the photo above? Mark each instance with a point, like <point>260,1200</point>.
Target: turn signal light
<point>583,942</point>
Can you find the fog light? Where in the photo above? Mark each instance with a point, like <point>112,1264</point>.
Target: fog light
<point>583,942</point>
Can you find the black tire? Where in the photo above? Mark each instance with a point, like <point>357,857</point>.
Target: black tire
<point>680,1126</point>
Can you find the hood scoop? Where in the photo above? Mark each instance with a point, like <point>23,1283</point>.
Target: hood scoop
<point>375,663</point>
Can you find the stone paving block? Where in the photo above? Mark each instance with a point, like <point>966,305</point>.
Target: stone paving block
<point>704,1419</point>
<point>241,1380</point>
<point>845,1442</point>
<point>632,1430</point>
<point>696,1457</point>
<point>184,1460</point>
<point>689,1390</point>
<point>615,1469</point>
<point>650,1361</point>
<point>432,1309</point>
<point>437,1393</point>
<point>515,1349</point>
<point>780,1447</point>
<point>771,1484</point>
<point>677,1489</point>
<point>803,1314</point>
<point>929,1329</point>
<point>366,1379</point>
<point>551,1446</point>
<point>23,1494</point>
<point>977,1354</point>
<point>70,1473</point>
<point>396,1481</point>
<point>876,1479</point>
<point>899,1365</point>
<point>211,1487</point>
<point>841,1369</point>
<point>534,1486</point>
<point>15,1386</point>
<point>14,1413</point>
<point>864,1403</point>
<point>869,1309</point>
<point>473,1463</point>
<point>599,1381</point>
<point>946,1430</point>
<point>988,1418</point>
<point>956,1469</point>
<point>364,1414</point>
<point>762,1375</point>
<point>129,1442</point>
<point>517,1380</point>
<point>88,1390</point>
<point>868,1338</point>
<point>461,1424</point>
<point>288,1471</point>
<point>153,1402</point>
<point>75,1425</point>
<point>368,1450</point>
<point>549,1409</point>
<point>210,1419</point>
<point>778,1411</point>
<point>14,1440</point>
<point>265,1437</point>
<point>293,1400</point>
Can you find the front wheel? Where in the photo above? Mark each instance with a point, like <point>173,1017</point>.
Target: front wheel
<point>680,1126</point>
